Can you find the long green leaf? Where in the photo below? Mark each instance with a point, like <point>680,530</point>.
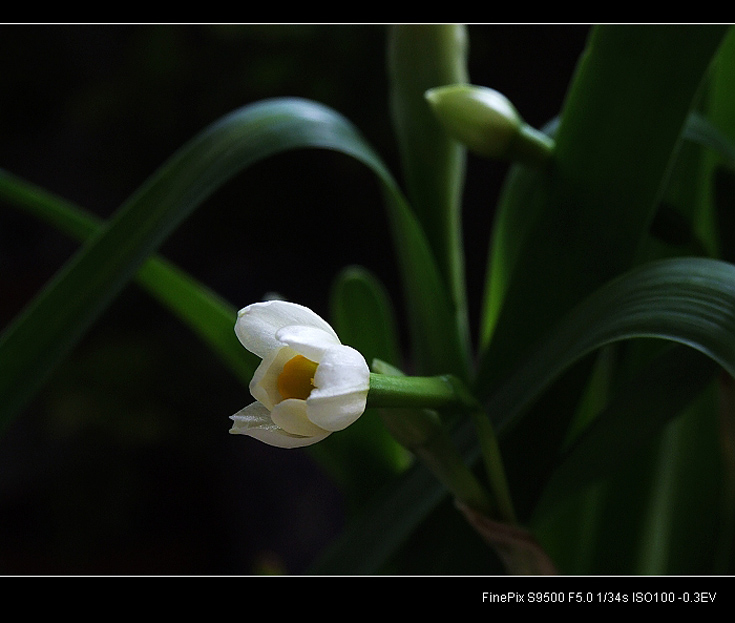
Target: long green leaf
<point>689,301</point>
<point>41,336</point>
<point>364,316</point>
<point>197,306</point>
<point>637,411</point>
<point>421,57</point>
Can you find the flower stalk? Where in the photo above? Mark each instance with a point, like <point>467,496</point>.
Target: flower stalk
<point>430,392</point>
<point>494,465</point>
<point>422,432</point>
<point>407,405</point>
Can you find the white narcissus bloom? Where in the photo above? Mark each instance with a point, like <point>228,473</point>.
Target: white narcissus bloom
<point>308,385</point>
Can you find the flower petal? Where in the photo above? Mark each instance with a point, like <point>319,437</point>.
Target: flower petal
<point>342,369</point>
<point>335,413</point>
<point>290,415</point>
<point>255,421</point>
<point>310,342</point>
<point>264,384</point>
<point>257,324</point>
<point>341,383</point>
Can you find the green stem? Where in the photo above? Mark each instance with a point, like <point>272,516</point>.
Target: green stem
<point>494,465</point>
<point>428,392</point>
<point>441,456</point>
<point>531,146</point>
<point>422,432</point>
<point>406,404</point>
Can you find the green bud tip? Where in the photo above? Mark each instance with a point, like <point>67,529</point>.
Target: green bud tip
<point>487,123</point>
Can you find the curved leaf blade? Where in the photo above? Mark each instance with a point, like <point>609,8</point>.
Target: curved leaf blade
<point>363,315</point>
<point>637,411</point>
<point>203,311</point>
<point>690,301</point>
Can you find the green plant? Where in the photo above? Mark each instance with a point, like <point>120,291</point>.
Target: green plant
<point>600,394</point>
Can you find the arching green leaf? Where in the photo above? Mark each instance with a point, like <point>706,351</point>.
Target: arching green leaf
<point>690,301</point>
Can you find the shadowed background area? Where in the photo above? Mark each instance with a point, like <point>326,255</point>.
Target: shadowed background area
<point>123,463</point>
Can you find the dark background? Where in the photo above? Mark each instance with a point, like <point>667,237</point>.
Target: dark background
<point>123,463</point>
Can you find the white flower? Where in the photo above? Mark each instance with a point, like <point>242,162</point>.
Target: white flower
<point>308,385</point>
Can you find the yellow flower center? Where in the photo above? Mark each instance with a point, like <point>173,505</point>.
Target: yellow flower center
<point>296,380</point>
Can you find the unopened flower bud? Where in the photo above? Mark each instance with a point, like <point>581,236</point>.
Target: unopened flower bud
<point>486,122</point>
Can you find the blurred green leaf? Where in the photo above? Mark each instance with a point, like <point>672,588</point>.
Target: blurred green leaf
<point>716,129</point>
<point>645,481</point>
<point>638,410</point>
<point>363,315</point>
<point>681,530</point>
<point>370,541</point>
<point>421,57</point>
<point>690,301</point>
<point>201,309</point>
<point>703,132</point>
